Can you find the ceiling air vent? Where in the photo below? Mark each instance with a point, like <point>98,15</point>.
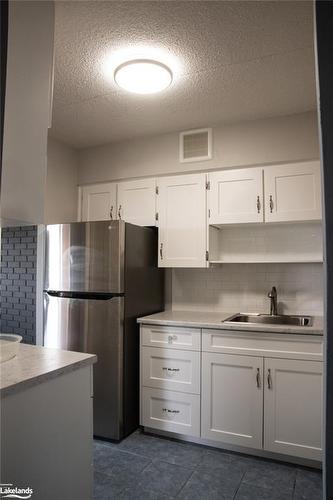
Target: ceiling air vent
<point>195,145</point>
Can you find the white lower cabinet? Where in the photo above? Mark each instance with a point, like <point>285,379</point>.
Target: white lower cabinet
<point>232,399</point>
<point>293,407</point>
<point>171,369</point>
<point>171,411</point>
<point>245,397</point>
<point>255,390</point>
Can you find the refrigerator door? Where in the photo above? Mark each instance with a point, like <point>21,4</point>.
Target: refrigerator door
<point>93,326</point>
<point>85,257</point>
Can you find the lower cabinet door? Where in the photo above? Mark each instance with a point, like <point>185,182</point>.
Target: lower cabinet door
<point>293,407</point>
<point>232,399</point>
<point>171,411</point>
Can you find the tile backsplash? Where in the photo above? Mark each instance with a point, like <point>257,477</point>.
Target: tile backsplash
<point>244,287</point>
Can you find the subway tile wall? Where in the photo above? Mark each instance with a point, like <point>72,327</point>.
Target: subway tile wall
<point>244,287</point>
<point>18,282</point>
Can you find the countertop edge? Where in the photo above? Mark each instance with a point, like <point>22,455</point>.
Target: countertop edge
<point>43,377</point>
<point>237,327</point>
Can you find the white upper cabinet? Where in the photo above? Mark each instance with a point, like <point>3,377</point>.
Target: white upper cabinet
<point>137,202</point>
<point>292,192</point>
<point>236,196</point>
<point>181,206</point>
<point>293,407</point>
<point>99,202</point>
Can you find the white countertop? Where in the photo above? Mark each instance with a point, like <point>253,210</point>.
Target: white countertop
<point>215,320</point>
<point>36,364</point>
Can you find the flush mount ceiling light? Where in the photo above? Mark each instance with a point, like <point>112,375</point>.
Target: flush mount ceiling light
<point>143,76</point>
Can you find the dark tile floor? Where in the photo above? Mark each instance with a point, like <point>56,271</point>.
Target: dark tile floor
<point>152,468</point>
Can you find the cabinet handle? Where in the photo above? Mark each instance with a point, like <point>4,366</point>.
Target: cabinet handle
<point>119,212</point>
<point>111,212</point>
<point>258,378</point>
<point>171,369</point>
<point>170,411</point>
<point>161,251</point>
<point>269,379</point>
<point>271,203</point>
<point>258,204</point>
<point>171,338</point>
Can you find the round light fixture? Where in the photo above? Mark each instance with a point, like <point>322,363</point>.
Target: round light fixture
<point>143,76</point>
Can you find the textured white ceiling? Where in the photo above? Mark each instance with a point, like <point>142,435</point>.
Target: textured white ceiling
<point>232,61</point>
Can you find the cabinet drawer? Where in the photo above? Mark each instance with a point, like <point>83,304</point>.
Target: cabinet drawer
<point>171,411</point>
<point>263,344</point>
<point>171,369</point>
<point>171,337</point>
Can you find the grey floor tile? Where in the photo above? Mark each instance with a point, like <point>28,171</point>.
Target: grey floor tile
<point>216,458</point>
<point>165,450</point>
<point>164,478</point>
<point>213,483</point>
<point>106,458</point>
<point>152,468</point>
<point>308,485</point>
<point>136,493</point>
<point>105,488</point>
<point>271,475</point>
<point>250,492</point>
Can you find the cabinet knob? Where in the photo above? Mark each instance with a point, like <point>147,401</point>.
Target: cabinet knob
<point>171,338</point>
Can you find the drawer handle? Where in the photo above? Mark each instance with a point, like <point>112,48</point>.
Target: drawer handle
<point>171,369</point>
<point>170,411</point>
<point>271,205</point>
<point>269,379</point>
<point>171,338</point>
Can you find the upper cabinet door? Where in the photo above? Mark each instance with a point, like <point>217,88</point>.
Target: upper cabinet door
<point>182,221</point>
<point>236,196</point>
<point>99,202</point>
<point>137,202</point>
<point>292,192</point>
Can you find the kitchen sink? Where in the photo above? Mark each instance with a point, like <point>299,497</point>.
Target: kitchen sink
<point>267,319</point>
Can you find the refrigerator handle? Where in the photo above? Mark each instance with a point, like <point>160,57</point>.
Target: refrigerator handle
<point>83,295</point>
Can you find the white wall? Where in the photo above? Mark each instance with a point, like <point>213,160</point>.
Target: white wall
<point>27,111</point>
<point>61,183</point>
<point>273,140</point>
<point>244,287</point>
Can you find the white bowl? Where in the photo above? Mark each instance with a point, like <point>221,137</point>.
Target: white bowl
<point>9,345</point>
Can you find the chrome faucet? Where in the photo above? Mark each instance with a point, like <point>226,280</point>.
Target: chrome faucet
<point>273,296</point>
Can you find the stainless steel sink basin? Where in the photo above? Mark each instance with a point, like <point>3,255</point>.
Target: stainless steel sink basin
<point>267,319</point>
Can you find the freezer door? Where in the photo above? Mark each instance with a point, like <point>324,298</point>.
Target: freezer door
<point>85,257</point>
<point>93,326</point>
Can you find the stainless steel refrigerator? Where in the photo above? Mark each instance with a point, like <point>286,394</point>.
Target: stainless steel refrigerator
<point>99,278</point>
